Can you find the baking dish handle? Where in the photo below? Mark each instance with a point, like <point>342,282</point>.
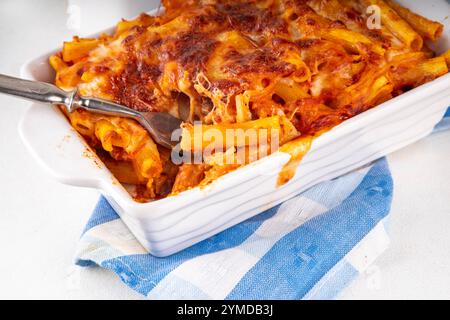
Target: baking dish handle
<point>59,149</point>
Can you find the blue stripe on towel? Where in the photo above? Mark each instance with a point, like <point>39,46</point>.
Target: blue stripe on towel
<point>148,270</point>
<point>103,213</point>
<point>304,256</point>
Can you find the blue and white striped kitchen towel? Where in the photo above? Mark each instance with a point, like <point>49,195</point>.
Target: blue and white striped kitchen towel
<point>310,247</point>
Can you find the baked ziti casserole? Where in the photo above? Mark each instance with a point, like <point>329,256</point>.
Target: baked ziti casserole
<point>285,71</point>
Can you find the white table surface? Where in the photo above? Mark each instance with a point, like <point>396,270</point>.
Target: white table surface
<point>41,220</point>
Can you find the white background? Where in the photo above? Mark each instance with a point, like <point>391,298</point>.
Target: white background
<point>41,220</point>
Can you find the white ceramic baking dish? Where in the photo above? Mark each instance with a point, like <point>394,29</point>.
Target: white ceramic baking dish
<point>169,225</point>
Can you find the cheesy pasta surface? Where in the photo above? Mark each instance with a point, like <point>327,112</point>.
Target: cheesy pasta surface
<point>300,67</point>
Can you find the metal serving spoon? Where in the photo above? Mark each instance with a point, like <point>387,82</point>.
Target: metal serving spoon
<point>160,125</point>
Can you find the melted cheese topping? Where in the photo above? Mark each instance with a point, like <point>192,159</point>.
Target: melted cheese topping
<point>312,63</point>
